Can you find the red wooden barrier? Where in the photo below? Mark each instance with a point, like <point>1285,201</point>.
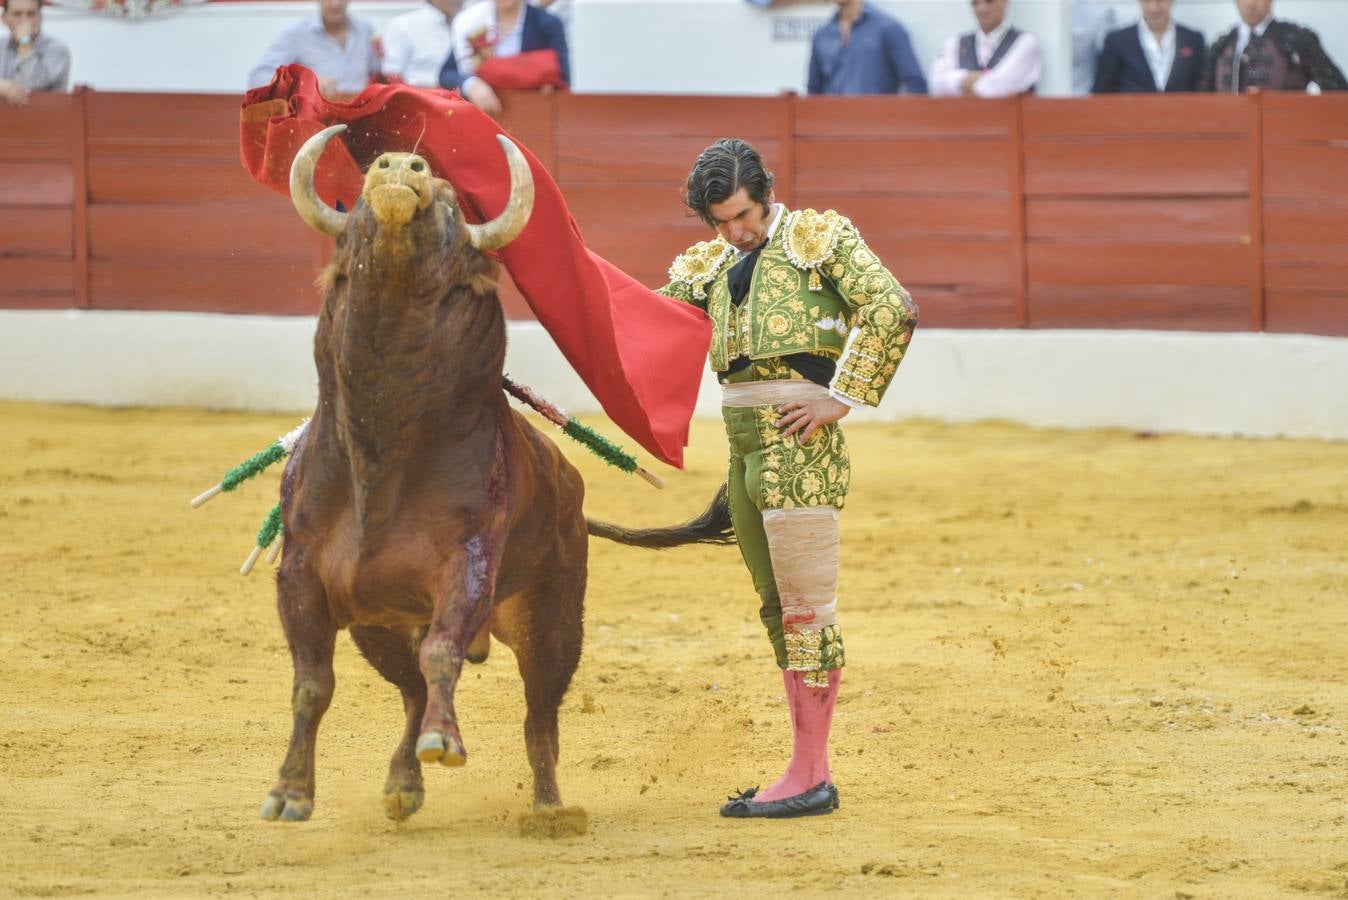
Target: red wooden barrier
<point>1305,213</point>
<point>1187,212</point>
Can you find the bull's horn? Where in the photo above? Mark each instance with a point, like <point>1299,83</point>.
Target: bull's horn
<point>507,226</point>
<point>318,214</point>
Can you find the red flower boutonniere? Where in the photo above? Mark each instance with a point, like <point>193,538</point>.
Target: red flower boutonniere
<point>483,42</point>
<point>1186,52</point>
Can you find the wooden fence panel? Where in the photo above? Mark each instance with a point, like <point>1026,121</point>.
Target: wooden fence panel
<point>37,203</point>
<point>39,131</point>
<point>1305,197</point>
<point>1195,212</point>
<point>175,222</point>
<point>931,186</point>
<point>222,284</point>
<point>1138,213</point>
<point>37,231</point>
<point>622,162</point>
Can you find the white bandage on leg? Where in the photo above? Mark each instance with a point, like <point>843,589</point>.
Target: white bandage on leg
<point>803,546</point>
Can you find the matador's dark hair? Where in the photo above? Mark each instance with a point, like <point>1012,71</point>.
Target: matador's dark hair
<point>720,171</point>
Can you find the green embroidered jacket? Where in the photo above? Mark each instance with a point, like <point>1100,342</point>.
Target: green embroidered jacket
<point>816,288</point>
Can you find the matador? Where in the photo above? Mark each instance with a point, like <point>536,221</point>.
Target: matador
<point>807,324</point>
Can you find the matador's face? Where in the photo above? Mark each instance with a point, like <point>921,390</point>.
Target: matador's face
<point>741,221</point>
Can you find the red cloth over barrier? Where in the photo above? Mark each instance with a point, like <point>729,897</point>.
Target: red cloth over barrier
<point>526,71</point>
<point>641,354</point>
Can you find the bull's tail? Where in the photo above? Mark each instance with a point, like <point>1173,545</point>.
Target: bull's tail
<point>713,526</point>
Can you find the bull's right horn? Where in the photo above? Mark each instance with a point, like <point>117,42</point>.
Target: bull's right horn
<point>313,210</point>
<point>507,226</point>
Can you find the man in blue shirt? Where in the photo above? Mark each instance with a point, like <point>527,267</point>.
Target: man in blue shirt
<point>861,50</point>
<point>339,48</point>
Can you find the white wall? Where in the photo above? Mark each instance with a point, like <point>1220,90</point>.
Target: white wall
<point>1250,384</point>
<point>618,46</point>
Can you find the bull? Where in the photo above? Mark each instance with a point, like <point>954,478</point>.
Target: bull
<point>421,513</point>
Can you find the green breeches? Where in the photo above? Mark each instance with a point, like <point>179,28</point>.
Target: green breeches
<point>784,500</point>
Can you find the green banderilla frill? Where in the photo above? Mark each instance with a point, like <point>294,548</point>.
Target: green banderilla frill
<point>266,536</point>
<point>592,440</point>
<point>255,464</point>
<point>271,529</point>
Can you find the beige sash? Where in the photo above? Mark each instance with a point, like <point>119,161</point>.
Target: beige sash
<point>770,393</point>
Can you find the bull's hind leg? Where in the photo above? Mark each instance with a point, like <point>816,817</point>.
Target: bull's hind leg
<point>394,655</point>
<point>312,636</point>
<point>545,631</point>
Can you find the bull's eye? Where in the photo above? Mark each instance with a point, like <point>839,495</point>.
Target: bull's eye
<point>383,163</point>
<point>417,167</point>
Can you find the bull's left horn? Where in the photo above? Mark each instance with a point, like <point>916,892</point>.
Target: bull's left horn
<point>313,210</point>
<point>507,226</point>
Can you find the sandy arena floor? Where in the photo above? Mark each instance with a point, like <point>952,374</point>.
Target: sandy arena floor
<point>1081,664</point>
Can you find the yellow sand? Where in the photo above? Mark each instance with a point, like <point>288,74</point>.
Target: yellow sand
<point>1079,664</point>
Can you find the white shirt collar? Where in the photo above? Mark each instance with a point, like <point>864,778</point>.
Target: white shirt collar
<point>1258,30</point>
<point>1244,32</point>
<point>1160,54</point>
<point>995,36</point>
<point>1149,38</point>
<point>777,211</point>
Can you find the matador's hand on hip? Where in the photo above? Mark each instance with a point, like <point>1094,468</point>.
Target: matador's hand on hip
<point>810,416</point>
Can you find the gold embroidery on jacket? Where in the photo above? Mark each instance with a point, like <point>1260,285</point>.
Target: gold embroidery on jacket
<point>700,264</point>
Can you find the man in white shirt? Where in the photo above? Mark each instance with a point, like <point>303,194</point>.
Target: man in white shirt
<point>997,60</point>
<point>498,29</point>
<point>416,44</point>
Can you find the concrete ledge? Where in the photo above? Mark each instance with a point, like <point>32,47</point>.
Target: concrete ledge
<point>1221,384</point>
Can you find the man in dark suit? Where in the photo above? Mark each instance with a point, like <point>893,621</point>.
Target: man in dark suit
<point>1153,56</point>
<point>499,29</point>
<point>1267,53</point>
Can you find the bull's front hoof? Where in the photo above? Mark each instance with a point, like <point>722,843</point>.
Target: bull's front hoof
<point>436,746</point>
<point>401,803</point>
<point>287,808</point>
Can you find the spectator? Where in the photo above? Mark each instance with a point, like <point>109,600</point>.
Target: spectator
<point>339,48</point>
<point>998,60</point>
<point>1091,21</point>
<point>30,60</point>
<point>863,50</point>
<point>416,44</point>
<point>495,30</point>
<point>1263,52</point>
<point>1153,56</point>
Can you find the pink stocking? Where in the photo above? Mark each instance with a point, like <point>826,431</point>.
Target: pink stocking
<point>811,719</point>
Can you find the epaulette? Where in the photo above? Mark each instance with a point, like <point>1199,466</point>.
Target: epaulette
<point>699,265</point>
<point>1295,36</point>
<point>811,238</point>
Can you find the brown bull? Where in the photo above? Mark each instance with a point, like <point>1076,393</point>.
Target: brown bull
<point>421,513</point>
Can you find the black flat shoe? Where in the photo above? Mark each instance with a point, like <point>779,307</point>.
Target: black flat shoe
<point>819,800</point>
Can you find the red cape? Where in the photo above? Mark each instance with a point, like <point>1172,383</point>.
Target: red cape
<point>641,354</point>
